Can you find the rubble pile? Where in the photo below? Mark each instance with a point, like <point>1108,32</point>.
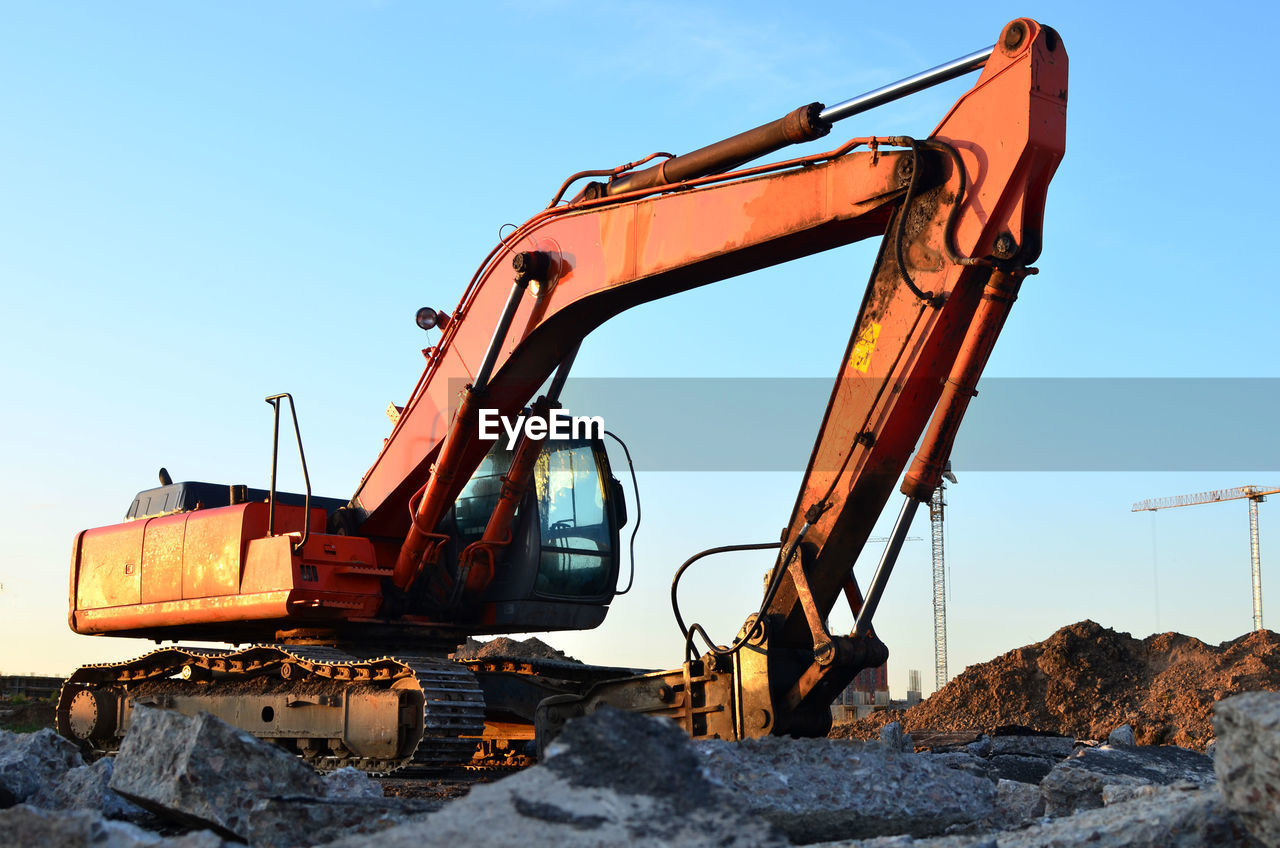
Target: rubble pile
<point>616,778</point>
<point>1086,679</point>
<point>29,761</point>
<point>532,648</point>
<point>815,790</point>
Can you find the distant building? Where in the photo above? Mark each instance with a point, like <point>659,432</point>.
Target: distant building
<point>869,693</point>
<point>29,686</point>
<point>913,686</point>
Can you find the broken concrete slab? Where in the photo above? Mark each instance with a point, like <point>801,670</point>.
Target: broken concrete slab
<point>1016,804</point>
<point>25,826</point>
<point>88,788</point>
<point>1021,768</point>
<point>1048,747</point>
<point>290,822</point>
<point>911,842</point>
<point>539,807</point>
<point>980,747</point>
<point>30,761</point>
<point>1168,819</point>
<point>204,772</point>
<point>822,789</point>
<point>611,778</point>
<point>1247,760</point>
<point>965,762</point>
<point>1077,782</point>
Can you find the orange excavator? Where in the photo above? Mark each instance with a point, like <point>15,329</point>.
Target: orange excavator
<point>353,607</point>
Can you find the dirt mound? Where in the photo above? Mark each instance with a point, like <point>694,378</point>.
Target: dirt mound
<point>532,648</point>
<point>1085,680</point>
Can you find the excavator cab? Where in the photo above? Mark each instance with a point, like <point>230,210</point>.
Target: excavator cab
<point>560,569</point>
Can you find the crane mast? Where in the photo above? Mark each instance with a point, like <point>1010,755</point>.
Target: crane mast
<point>1255,496</point>
<point>937,515</point>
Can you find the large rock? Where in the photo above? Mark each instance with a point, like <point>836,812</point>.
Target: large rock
<point>30,761</point>
<point>25,826</point>
<point>1121,736</point>
<point>966,762</point>
<point>87,788</point>
<point>1016,804</point>
<point>204,772</point>
<point>612,778</point>
<point>1077,782</point>
<point>1247,760</point>
<point>351,783</point>
<point>816,789</point>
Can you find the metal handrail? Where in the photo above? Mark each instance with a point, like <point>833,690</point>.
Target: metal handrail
<point>274,400</point>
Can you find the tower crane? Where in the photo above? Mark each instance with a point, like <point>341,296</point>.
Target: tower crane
<point>937,504</point>
<point>1255,495</point>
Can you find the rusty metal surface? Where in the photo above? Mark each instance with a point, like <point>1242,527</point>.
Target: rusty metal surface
<point>925,473</point>
<point>797,126</point>
<point>513,688</point>
<point>331,708</point>
<point>622,255</point>
<point>207,566</point>
<point>1008,133</point>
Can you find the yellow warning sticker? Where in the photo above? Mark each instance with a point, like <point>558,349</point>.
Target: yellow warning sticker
<point>860,359</point>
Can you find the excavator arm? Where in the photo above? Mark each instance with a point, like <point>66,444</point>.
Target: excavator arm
<point>962,215</point>
<point>956,207</point>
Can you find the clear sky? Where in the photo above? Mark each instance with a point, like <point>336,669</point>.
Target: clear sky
<point>207,203</point>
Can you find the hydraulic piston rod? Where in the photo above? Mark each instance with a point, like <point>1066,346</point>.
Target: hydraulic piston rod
<point>804,124</point>
<point>885,568</point>
<point>908,86</point>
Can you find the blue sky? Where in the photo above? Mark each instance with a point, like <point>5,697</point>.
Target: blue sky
<point>206,204</point>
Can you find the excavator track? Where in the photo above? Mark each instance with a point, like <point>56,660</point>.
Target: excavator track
<point>333,708</point>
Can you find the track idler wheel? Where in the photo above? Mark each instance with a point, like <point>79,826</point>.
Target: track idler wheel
<point>91,716</point>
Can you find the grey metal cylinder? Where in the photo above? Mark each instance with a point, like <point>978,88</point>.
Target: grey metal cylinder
<point>910,85</point>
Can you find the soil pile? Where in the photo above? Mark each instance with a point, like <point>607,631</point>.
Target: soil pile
<point>1086,680</point>
<point>531,648</point>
